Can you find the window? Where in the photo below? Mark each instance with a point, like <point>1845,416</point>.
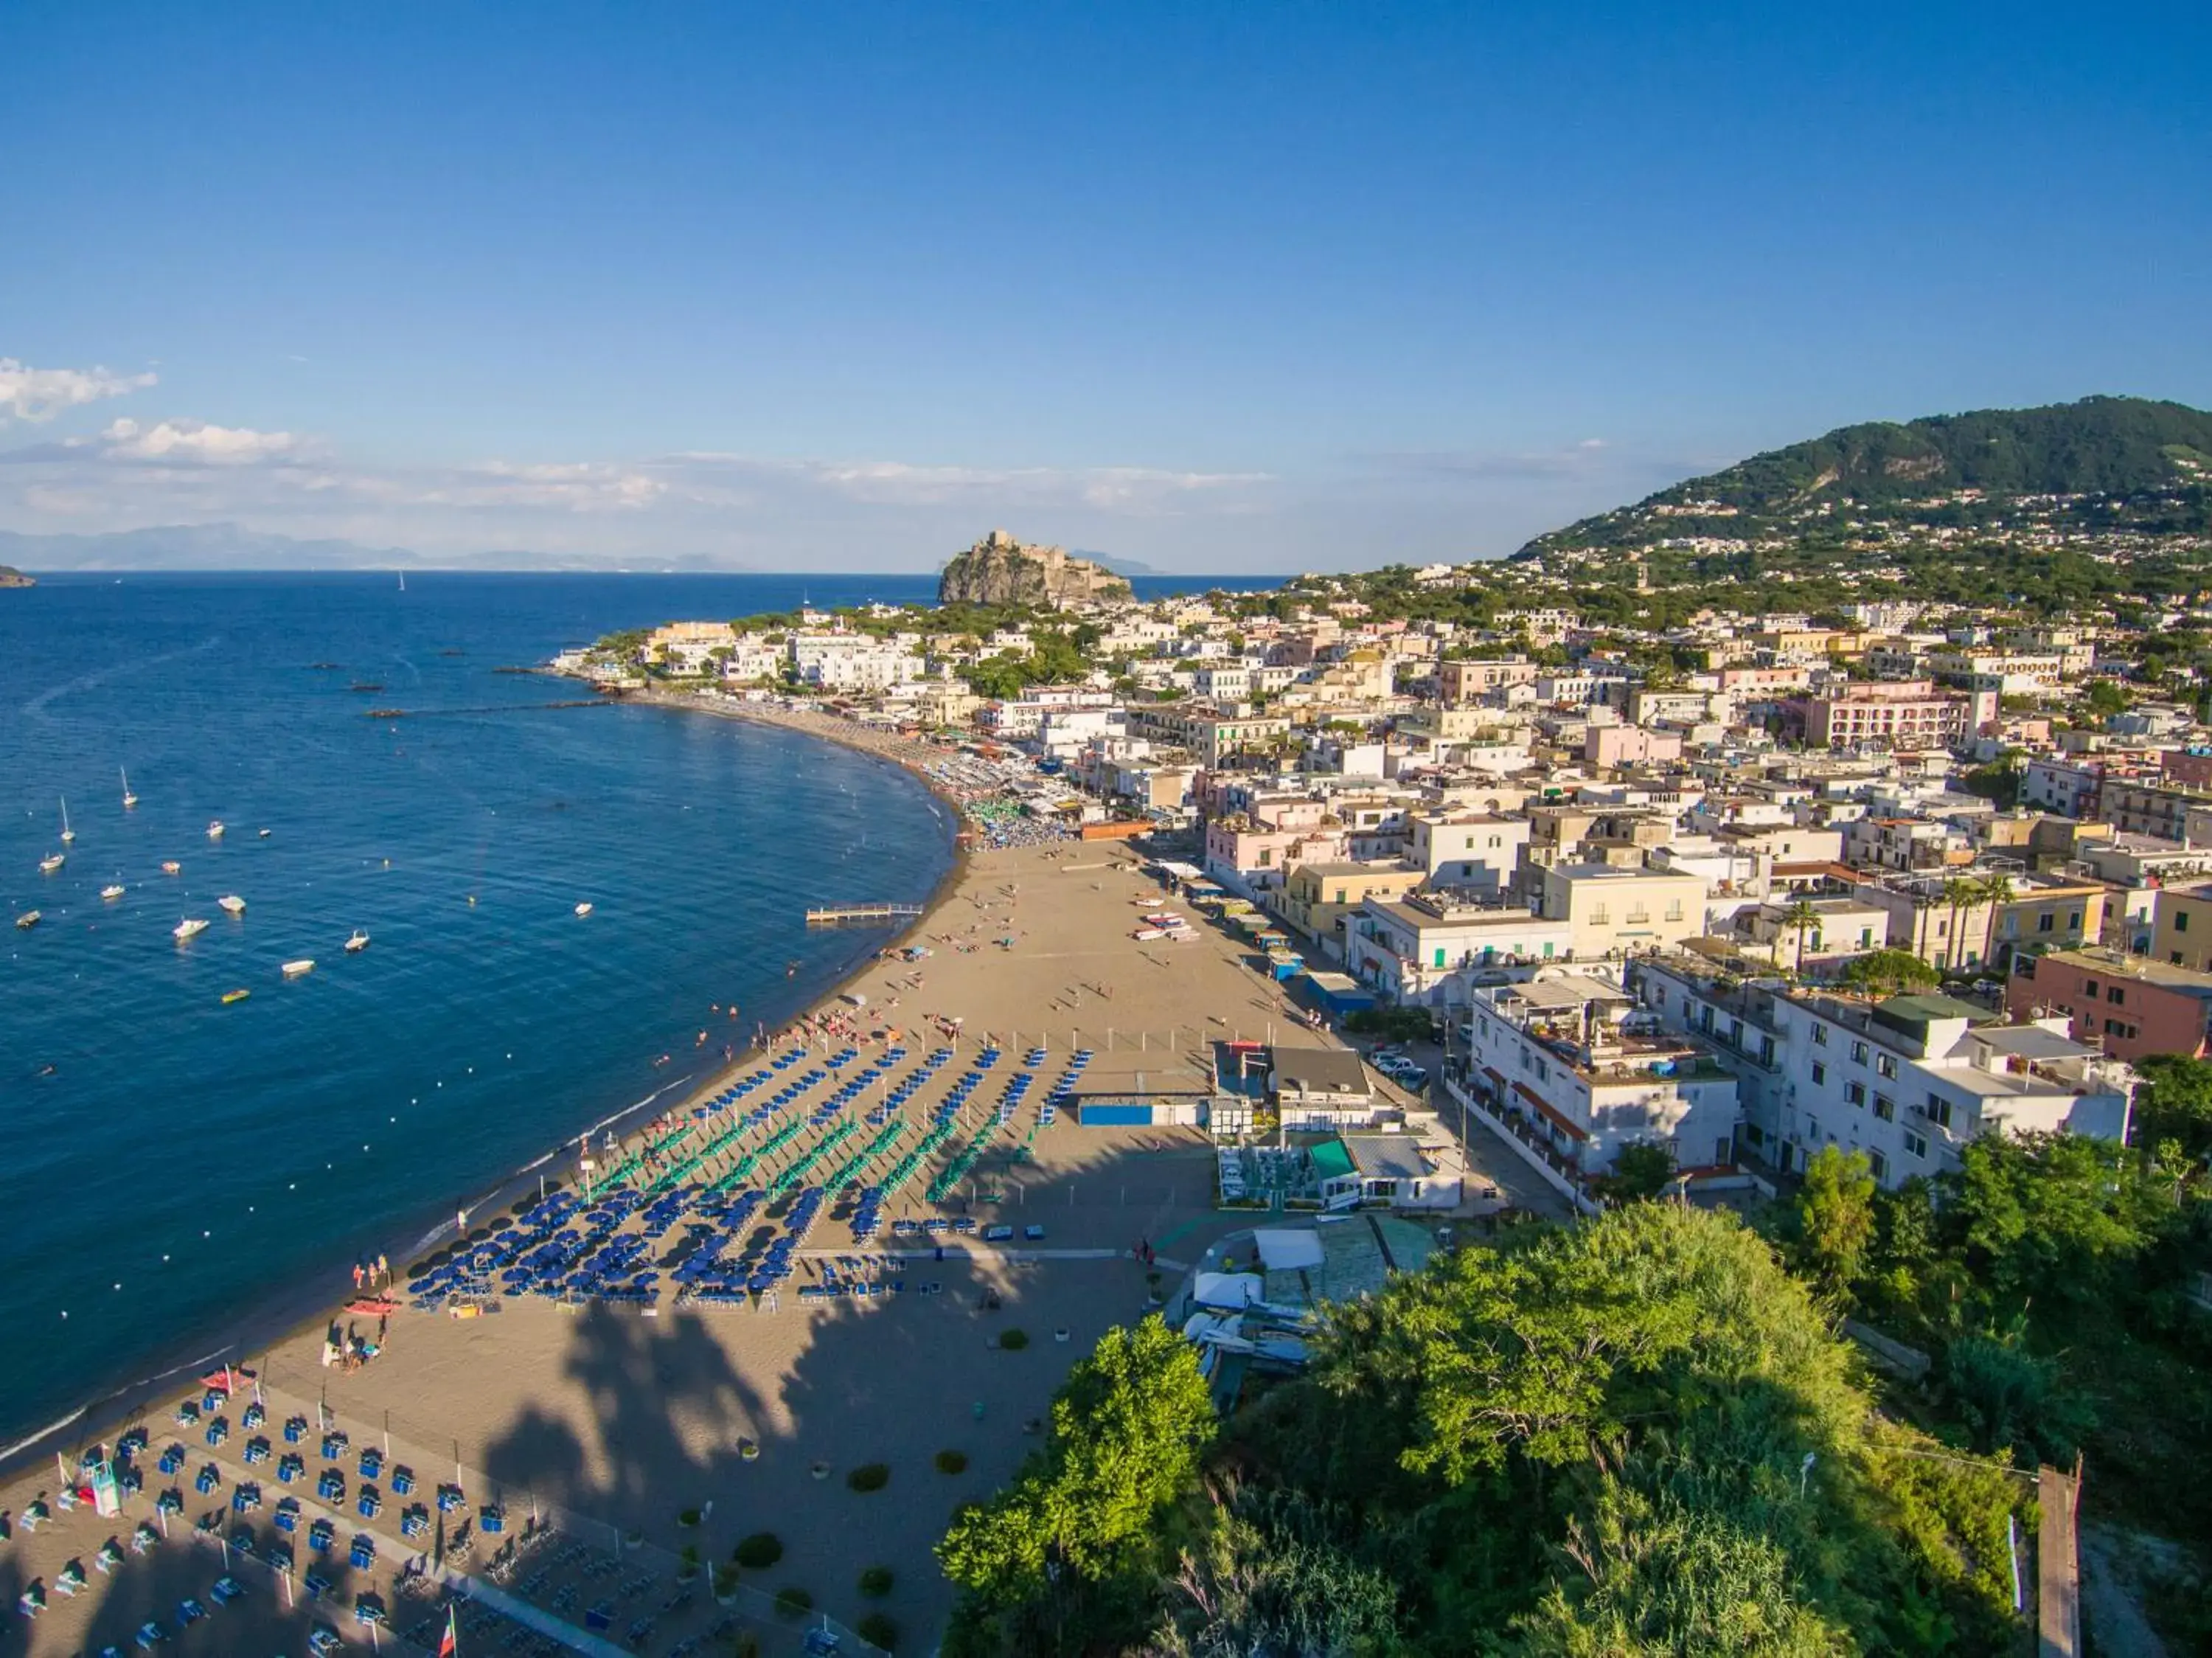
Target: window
<point>2073,921</point>
<point>1820,1075</point>
<point>1856,1092</point>
<point>2116,995</point>
<point>1884,1065</point>
<point>2089,987</point>
<point>1939,1111</point>
<point>1674,909</point>
<point>1885,1107</point>
<point>1858,1053</point>
<point>1916,1145</point>
<point>1819,1036</point>
<point>1877,1165</point>
<point>2047,922</point>
<point>2181,920</point>
<point>1600,916</point>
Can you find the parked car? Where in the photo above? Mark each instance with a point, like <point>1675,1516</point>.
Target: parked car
<point>995,1235</point>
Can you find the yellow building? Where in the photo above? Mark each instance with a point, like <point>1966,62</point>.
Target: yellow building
<point>1317,897</point>
<point>1615,909</point>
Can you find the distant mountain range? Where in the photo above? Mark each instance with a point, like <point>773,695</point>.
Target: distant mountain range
<point>2104,466</point>
<point>232,546</point>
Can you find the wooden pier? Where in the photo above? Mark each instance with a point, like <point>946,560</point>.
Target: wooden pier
<point>831,915</point>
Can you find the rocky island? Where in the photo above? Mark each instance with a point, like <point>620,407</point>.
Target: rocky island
<point>12,578</point>
<point>1001,570</point>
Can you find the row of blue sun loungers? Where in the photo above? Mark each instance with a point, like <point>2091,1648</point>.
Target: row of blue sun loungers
<point>564,1249</point>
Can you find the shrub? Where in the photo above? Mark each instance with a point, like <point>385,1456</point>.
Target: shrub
<point>1013,1340</point>
<point>687,1517</point>
<point>869,1477</point>
<point>878,1631</point>
<point>876,1583</point>
<point>952,1462</point>
<point>726,1581</point>
<point>791,1601</point>
<point>759,1552</point>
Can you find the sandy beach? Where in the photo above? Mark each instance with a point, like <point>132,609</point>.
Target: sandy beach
<point>617,1422</point>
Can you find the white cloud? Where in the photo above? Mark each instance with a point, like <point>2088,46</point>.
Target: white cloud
<point>195,442</point>
<point>31,393</point>
<point>905,483</point>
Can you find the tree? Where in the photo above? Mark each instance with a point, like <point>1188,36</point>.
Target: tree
<point>1642,1169</point>
<point>2176,1106</point>
<point>1835,1220</point>
<point>1126,1430</point>
<point>1885,972</point>
<point>1803,915</point>
<point>1996,892</point>
<point>1959,894</point>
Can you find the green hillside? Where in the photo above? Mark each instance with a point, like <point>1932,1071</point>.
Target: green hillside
<point>2102,465</point>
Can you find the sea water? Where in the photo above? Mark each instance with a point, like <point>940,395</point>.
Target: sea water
<point>169,1163</point>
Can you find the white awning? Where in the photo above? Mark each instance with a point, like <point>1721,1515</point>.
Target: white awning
<point>1227,1289</point>
<point>1288,1251</point>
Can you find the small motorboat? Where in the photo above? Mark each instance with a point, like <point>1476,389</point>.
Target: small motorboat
<point>187,930</point>
<point>357,944</point>
<point>27,920</point>
<point>230,996</point>
<point>264,833</point>
<point>299,969</point>
<point>583,909</point>
<point>231,904</point>
<point>113,892</point>
<point>215,830</point>
<point>51,862</point>
<point>170,867</point>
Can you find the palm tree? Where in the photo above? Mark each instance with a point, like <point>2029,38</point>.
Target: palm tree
<point>1959,892</point>
<point>1996,892</point>
<point>1802,914</point>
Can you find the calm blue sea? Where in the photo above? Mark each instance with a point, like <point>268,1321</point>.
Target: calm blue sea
<point>171,1165</point>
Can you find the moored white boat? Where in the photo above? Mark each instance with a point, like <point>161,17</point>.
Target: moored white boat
<point>27,920</point>
<point>583,909</point>
<point>231,904</point>
<point>68,833</point>
<point>187,930</point>
<point>357,944</point>
<point>299,969</point>
<point>51,861</point>
<point>170,867</point>
<point>113,892</point>
<point>129,800</point>
<point>215,830</point>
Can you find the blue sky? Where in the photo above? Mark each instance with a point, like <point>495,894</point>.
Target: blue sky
<point>1216,287</point>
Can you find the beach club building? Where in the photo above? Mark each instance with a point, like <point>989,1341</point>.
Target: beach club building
<point>1320,1089</point>
<point>1608,911</point>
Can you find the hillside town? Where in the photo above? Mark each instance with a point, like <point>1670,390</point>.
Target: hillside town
<point>1740,889</point>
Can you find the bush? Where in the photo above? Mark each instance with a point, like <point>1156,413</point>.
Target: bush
<point>878,1631</point>
<point>791,1601</point>
<point>1013,1340</point>
<point>759,1552</point>
<point>952,1462</point>
<point>726,1581</point>
<point>869,1477</point>
<point>876,1582</point>
<point>687,1516</point>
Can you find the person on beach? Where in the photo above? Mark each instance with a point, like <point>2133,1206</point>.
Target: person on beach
<point>358,1275</point>
<point>383,1270</point>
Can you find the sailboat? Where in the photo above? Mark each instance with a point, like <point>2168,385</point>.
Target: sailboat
<point>129,800</point>
<point>68,833</point>
<point>403,581</point>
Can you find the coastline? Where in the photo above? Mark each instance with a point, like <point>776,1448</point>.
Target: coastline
<point>275,1319</point>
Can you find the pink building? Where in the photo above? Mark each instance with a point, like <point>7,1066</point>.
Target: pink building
<point>2129,1005</point>
<point>1891,714</point>
<point>1629,745</point>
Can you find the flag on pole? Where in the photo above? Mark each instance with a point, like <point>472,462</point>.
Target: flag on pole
<point>449,1644</point>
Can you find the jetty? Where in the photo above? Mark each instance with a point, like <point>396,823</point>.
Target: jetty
<point>830,914</point>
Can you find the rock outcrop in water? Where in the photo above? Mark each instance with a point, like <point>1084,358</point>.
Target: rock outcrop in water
<point>12,578</point>
<point>1001,570</point>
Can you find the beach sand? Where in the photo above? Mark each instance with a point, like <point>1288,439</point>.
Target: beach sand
<point>625,1419</point>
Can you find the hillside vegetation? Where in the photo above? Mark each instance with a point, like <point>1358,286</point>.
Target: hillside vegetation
<point>2102,465</point>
